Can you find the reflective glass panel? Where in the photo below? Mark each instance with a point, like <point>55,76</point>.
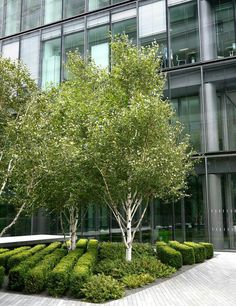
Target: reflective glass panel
<point>73,7</point>
<point>98,45</point>
<point>52,10</point>
<point>184,33</point>
<point>12,19</point>
<point>31,13</point>
<point>97,4</point>
<point>31,45</point>
<point>127,26</point>
<point>1,16</point>
<point>51,62</point>
<point>10,49</point>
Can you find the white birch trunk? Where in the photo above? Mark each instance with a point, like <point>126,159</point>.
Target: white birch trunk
<point>73,227</point>
<point>129,231</point>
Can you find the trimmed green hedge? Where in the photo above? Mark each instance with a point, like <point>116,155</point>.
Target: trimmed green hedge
<point>18,273</point>
<point>6,255</point>
<point>169,256</point>
<point>18,258</point>
<point>2,250</point>
<point>161,243</point>
<point>59,277</point>
<point>92,244</point>
<point>36,278</point>
<point>186,252</point>
<point>2,273</point>
<point>82,244</point>
<point>209,248</point>
<point>83,269</point>
<point>199,251</point>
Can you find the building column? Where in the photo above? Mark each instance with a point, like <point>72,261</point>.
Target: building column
<point>207,33</point>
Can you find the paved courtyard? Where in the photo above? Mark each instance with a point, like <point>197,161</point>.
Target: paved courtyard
<point>210,283</point>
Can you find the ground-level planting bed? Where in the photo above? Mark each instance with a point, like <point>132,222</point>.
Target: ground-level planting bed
<point>96,272</point>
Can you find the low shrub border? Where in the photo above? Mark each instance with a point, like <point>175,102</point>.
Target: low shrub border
<point>82,244</point>
<point>6,255</point>
<point>16,259</point>
<point>186,252</point>
<point>59,277</point>
<point>83,269</point>
<point>101,288</point>
<point>169,256</point>
<point>209,248</point>
<point>18,273</point>
<point>2,250</point>
<point>132,281</point>
<point>2,273</point>
<point>36,278</point>
<point>199,251</point>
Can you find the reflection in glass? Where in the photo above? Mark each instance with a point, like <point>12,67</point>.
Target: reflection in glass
<point>12,18</point>
<point>98,45</point>
<point>97,4</point>
<point>10,49</point>
<point>31,13</point>
<point>51,62</point>
<point>184,33</point>
<point>225,29</point>
<point>31,45</point>
<point>1,17</point>
<point>127,27</point>
<point>53,11</point>
<point>188,112</point>
<point>73,7</point>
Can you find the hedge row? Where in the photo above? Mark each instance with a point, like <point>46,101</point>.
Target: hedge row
<point>186,252</point>
<point>18,258</point>
<point>6,255</point>
<point>82,244</point>
<point>2,250</point>
<point>209,249</point>
<point>59,277</point>
<point>2,273</point>
<point>169,256</point>
<point>18,273</point>
<point>36,278</point>
<point>83,269</point>
<point>199,251</point>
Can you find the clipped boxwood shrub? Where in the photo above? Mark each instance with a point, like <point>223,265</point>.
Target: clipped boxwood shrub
<point>79,276</point>
<point>209,249</point>
<point>132,281</point>
<point>169,256</point>
<point>92,244</point>
<point>59,277</point>
<point>82,244</point>
<point>186,251</point>
<point>199,251</point>
<point>16,259</point>
<point>101,288</point>
<point>2,250</point>
<point>36,278</point>
<point>2,273</point>
<point>6,255</point>
<point>112,250</point>
<point>160,243</point>
<point>18,273</point>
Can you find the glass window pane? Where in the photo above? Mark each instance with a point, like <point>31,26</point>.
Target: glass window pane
<point>53,10</point>
<point>10,49</point>
<point>97,4</point>
<point>152,18</point>
<point>73,7</point>
<point>31,14</point>
<point>184,33</point>
<point>31,45</point>
<point>12,19</point>
<point>73,26</point>
<point>1,16</point>
<point>51,62</point>
<point>98,45</point>
<point>127,27</point>
<point>225,29</point>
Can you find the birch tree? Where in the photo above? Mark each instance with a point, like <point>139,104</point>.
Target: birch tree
<point>16,92</point>
<point>138,153</point>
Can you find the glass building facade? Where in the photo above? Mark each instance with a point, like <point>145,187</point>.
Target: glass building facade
<point>197,44</point>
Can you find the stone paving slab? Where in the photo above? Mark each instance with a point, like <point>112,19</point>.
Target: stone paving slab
<point>212,283</point>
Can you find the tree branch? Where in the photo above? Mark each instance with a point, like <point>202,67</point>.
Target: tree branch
<point>140,220</point>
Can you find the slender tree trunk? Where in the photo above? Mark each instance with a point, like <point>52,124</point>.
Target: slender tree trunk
<point>14,220</point>
<point>129,233</point>
<point>74,213</point>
